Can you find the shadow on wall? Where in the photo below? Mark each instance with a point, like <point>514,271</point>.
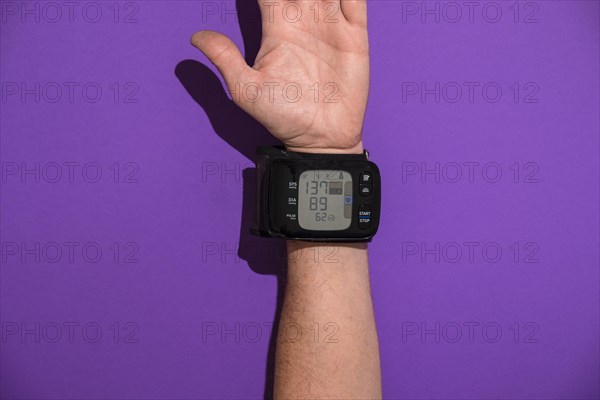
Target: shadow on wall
<point>243,133</point>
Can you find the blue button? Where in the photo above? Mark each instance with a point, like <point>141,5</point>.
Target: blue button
<point>347,199</point>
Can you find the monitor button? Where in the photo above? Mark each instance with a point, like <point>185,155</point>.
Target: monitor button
<point>366,177</point>
<point>365,189</point>
<point>364,216</point>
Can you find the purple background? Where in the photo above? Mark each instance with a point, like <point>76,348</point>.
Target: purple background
<point>178,204</point>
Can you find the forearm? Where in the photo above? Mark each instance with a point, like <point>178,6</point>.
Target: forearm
<point>328,297</point>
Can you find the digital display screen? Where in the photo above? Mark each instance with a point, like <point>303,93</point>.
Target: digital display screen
<point>325,200</point>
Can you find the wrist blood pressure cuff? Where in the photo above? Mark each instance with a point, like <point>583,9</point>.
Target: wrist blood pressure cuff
<point>316,197</point>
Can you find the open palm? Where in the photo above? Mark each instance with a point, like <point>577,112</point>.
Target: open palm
<point>309,85</point>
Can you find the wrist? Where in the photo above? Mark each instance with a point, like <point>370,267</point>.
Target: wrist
<point>356,149</point>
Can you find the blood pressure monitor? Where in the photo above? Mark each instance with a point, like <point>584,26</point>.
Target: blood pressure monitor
<point>316,197</point>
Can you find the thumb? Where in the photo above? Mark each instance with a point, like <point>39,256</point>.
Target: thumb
<point>224,54</point>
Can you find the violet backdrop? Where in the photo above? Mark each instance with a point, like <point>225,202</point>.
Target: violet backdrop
<point>121,204</point>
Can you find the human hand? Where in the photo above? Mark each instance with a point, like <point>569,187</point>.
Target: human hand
<point>328,61</point>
